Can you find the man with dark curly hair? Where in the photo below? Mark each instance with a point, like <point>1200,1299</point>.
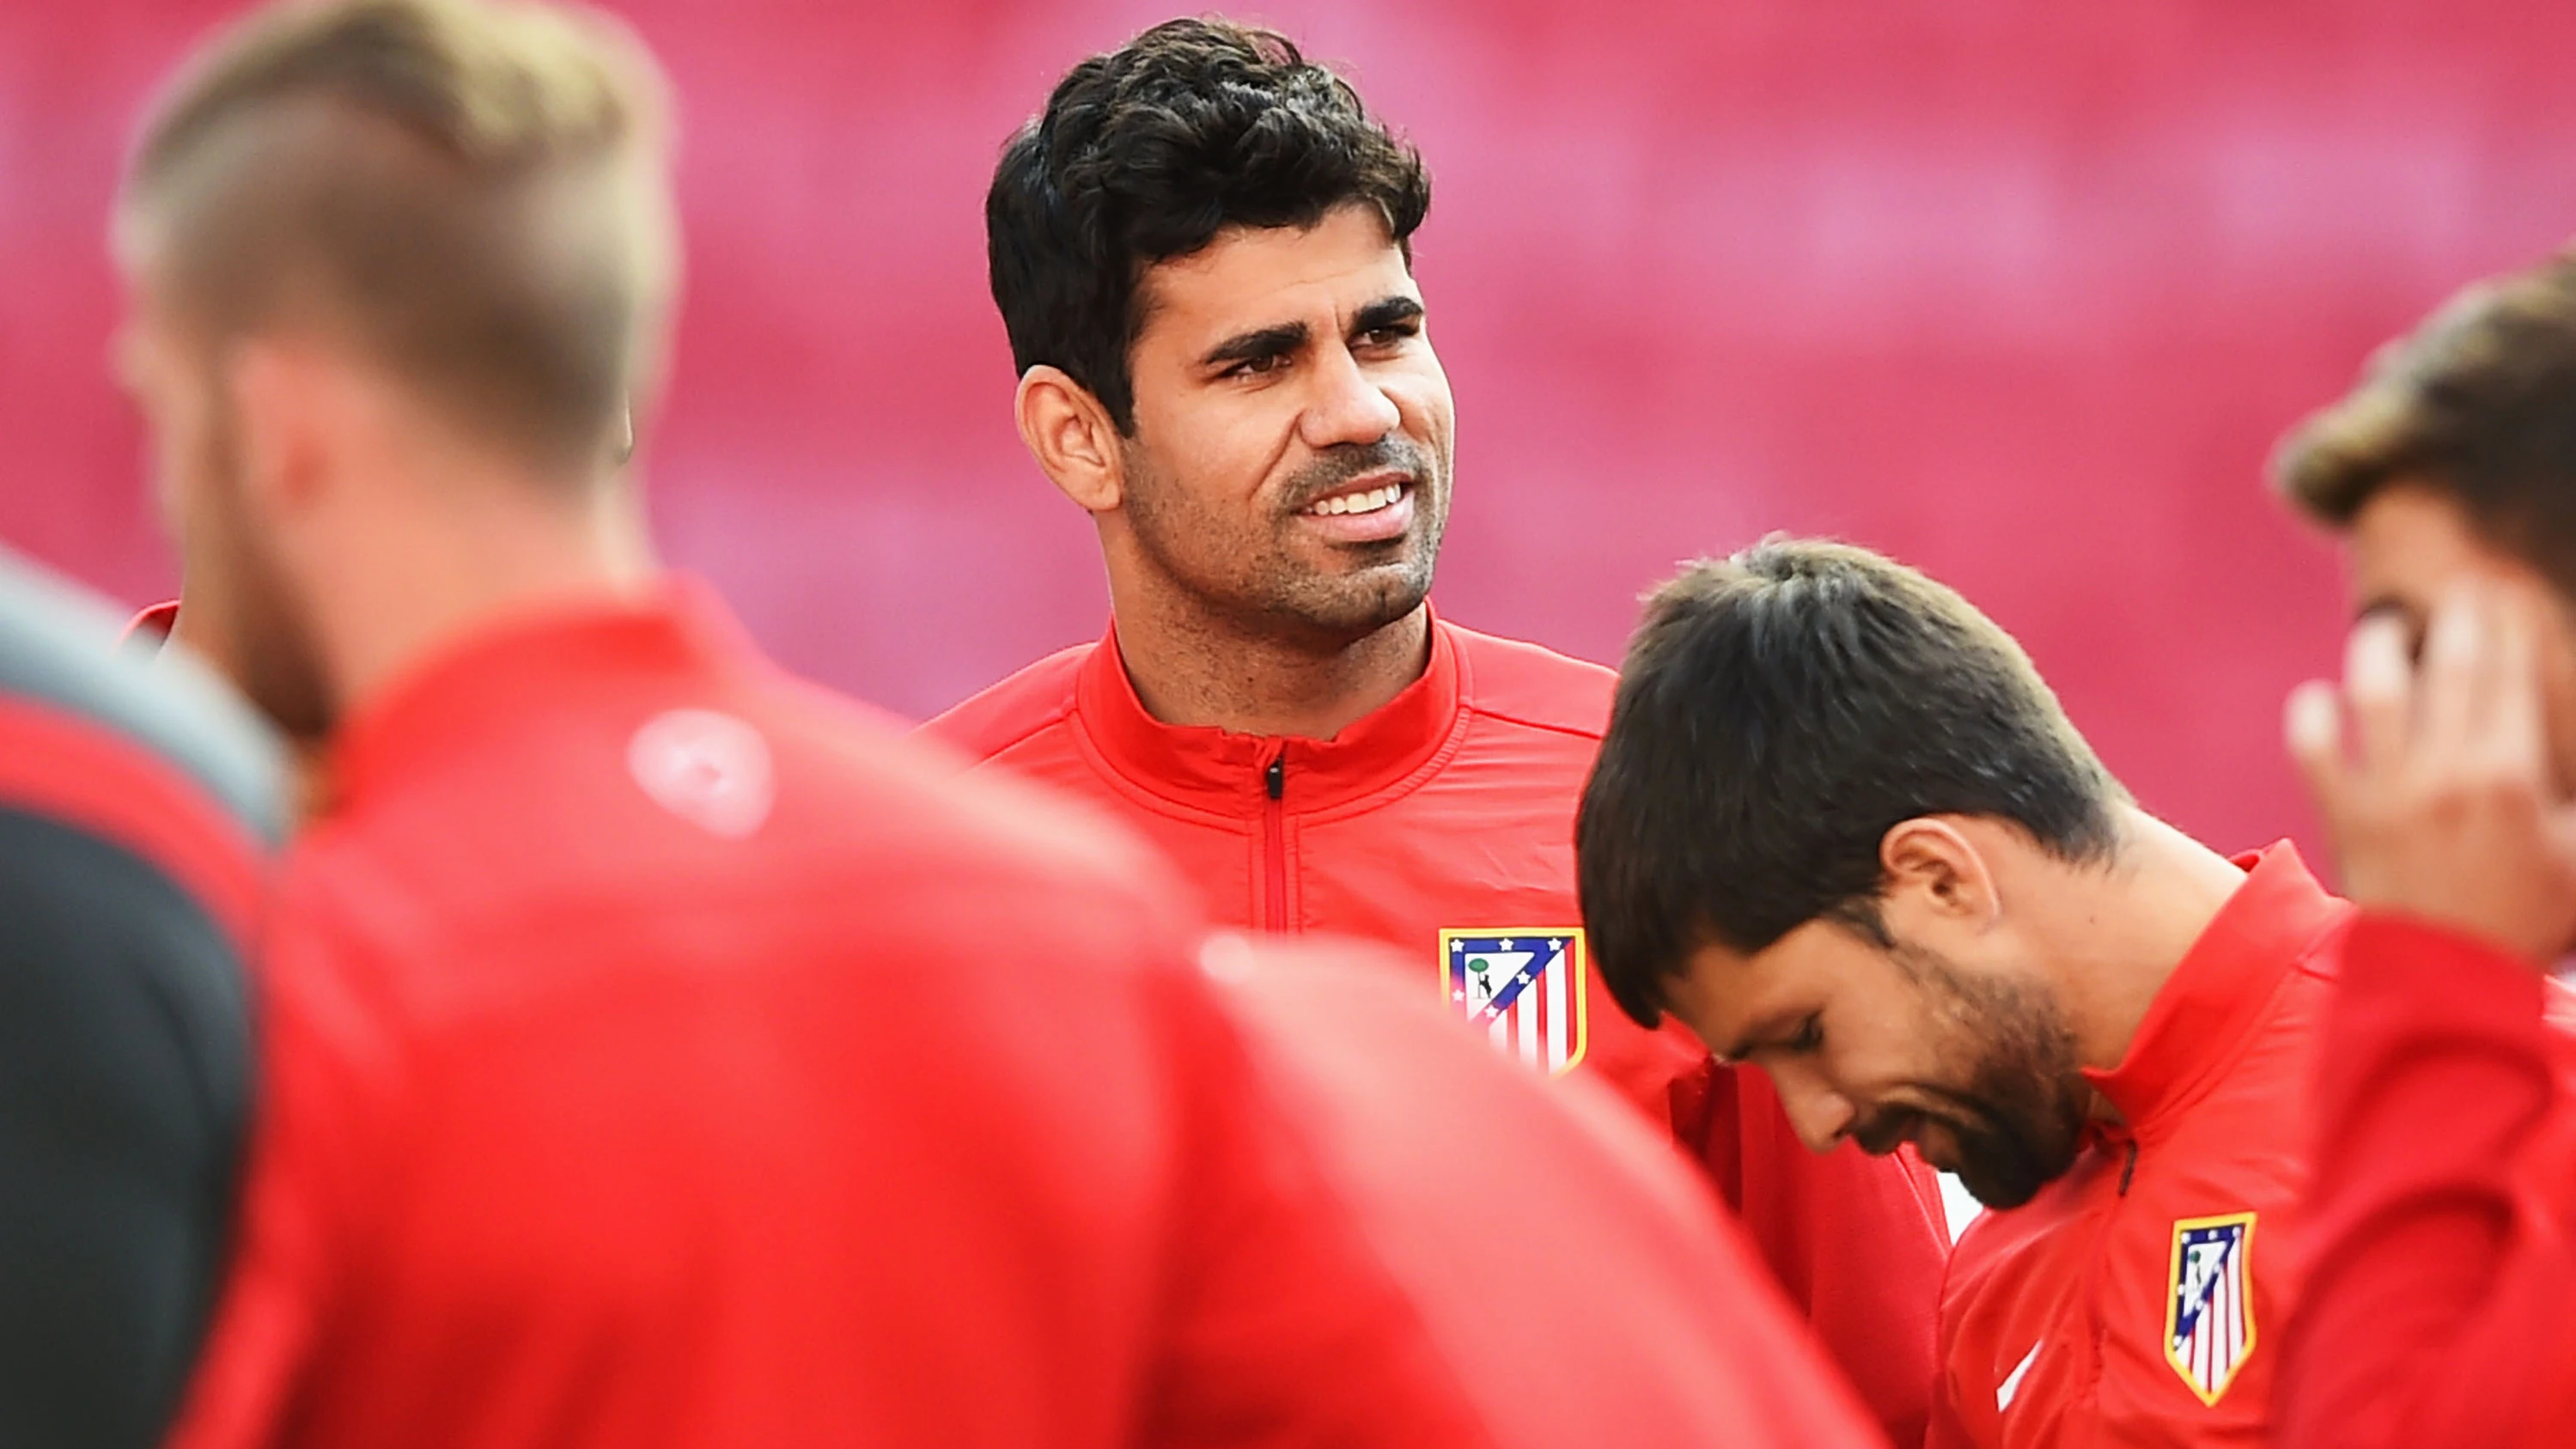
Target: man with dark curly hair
<point>1202,253</point>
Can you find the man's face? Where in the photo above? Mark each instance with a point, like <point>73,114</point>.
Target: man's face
<point>1971,1061</point>
<point>236,606</point>
<point>1290,463</point>
<point>2410,546</point>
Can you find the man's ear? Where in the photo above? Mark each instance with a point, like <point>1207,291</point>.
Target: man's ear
<point>1930,864</point>
<point>1071,435</point>
<point>281,399</point>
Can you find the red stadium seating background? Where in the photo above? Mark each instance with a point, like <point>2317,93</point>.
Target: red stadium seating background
<point>2020,290</point>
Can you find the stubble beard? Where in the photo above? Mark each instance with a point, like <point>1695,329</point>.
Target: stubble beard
<point>259,636</point>
<point>1260,588</point>
<point>2018,1120</point>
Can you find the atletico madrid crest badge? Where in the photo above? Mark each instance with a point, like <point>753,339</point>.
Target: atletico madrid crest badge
<point>1524,987</point>
<point>2209,1312</point>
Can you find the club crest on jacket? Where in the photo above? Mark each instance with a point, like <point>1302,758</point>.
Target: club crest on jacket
<point>2209,1311</point>
<point>1524,986</point>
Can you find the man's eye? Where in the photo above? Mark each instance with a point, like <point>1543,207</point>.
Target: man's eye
<point>1258,366</point>
<point>1390,335</point>
<point>1811,1035</point>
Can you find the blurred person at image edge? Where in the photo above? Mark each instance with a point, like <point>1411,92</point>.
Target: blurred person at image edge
<point>138,809</point>
<point>2442,1306</point>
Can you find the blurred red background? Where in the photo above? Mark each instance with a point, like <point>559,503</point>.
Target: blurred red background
<point>2017,289</point>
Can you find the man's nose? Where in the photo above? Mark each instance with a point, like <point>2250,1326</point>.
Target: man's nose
<point>1821,1116</point>
<point>1348,407</point>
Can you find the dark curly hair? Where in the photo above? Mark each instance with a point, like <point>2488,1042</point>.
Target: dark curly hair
<point>1147,153</point>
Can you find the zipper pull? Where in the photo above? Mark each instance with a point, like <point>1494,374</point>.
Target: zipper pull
<point>1274,776</point>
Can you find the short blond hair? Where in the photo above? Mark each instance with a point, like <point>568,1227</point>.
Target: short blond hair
<point>474,191</point>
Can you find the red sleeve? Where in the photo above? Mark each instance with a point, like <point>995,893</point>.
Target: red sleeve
<point>1946,1431</point>
<point>322,1103</point>
<point>2439,1281</point>
<point>1859,1242</point>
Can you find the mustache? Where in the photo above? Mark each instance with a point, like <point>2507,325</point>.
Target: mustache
<point>1338,465</point>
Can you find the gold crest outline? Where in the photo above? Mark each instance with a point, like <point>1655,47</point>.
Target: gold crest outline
<point>1578,986</point>
<point>2173,1275</point>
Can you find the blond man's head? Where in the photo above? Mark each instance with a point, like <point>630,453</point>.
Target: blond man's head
<point>358,234</point>
<point>474,193</point>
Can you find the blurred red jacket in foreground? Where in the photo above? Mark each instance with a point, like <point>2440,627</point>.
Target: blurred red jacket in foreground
<point>2441,1303</point>
<point>661,1053</point>
<point>1575,1277</point>
<point>1443,825</point>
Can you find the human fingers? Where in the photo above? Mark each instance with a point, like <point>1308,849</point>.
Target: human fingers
<point>2514,730</point>
<point>2451,689</point>
<point>2378,688</point>
<point>2312,725</point>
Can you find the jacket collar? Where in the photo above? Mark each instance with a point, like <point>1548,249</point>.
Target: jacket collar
<point>1217,770</point>
<point>518,668</point>
<point>2218,993</point>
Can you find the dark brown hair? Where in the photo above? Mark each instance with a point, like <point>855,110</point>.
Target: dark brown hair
<point>2478,403</point>
<point>1780,711</point>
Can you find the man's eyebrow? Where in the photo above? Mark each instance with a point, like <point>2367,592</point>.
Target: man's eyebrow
<point>1259,343</point>
<point>1387,312</point>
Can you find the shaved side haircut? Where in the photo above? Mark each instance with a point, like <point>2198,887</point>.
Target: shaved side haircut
<point>473,194</point>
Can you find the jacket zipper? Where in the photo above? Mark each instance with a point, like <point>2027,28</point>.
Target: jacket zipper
<point>1274,843</point>
<point>2096,1322</point>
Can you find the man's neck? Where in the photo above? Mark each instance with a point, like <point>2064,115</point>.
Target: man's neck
<point>1195,672</point>
<point>488,554</point>
<point>2127,928</point>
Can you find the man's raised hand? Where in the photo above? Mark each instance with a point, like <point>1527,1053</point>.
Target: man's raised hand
<point>2442,804</point>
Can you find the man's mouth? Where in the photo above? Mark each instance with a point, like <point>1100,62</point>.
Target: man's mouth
<point>1885,1133</point>
<point>1364,500</point>
<point>1941,1156</point>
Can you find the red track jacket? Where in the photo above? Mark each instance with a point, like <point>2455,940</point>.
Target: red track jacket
<point>2134,1302</point>
<point>1575,1275</point>
<point>2441,1307</point>
<point>660,1052</point>
<point>1443,825</point>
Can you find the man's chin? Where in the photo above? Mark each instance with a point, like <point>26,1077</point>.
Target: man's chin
<point>1994,1183</point>
<point>1390,564</point>
<point>1362,601</point>
<point>2004,1174</point>
<point>1998,1195</point>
